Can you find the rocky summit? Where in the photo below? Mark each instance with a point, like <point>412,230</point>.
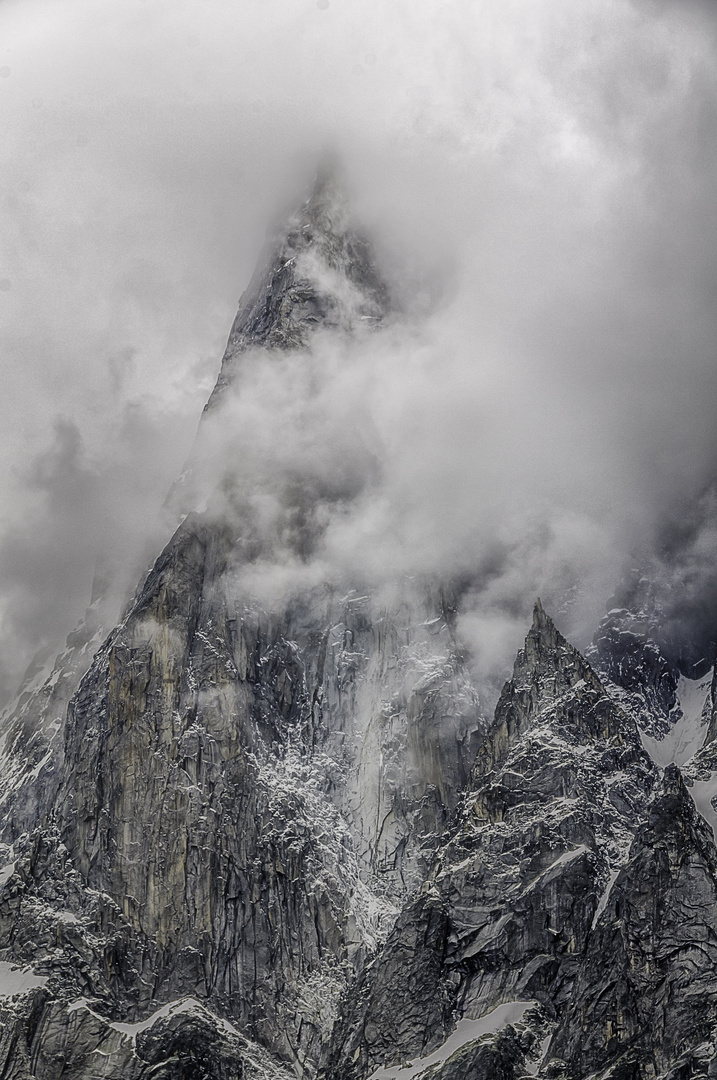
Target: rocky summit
<point>246,841</point>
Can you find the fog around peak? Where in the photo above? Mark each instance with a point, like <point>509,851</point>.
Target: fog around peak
<point>539,185</point>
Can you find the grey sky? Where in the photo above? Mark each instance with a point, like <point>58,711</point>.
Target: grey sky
<point>543,172</point>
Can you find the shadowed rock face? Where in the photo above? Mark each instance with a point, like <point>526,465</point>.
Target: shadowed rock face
<point>654,634</point>
<point>632,661</point>
<point>252,794</point>
<point>216,787</point>
<point>248,843</point>
<point>646,995</point>
<point>508,908</point>
<point>32,729</point>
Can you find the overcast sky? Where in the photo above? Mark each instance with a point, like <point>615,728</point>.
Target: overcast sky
<point>543,172</point>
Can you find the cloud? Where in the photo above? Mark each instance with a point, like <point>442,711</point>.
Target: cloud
<point>540,185</point>
<point>79,526</point>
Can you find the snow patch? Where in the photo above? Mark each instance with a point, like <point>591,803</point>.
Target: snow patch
<point>68,917</point>
<point>568,856</point>
<point>532,1067</point>
<point>703,792</point>
<point>602,903</point>
<point>512,1012</point>
<point>34,773</point>
<point>687,734</point>
<point>562,860</point>
<point>174,1008</point>
<point>692,696</point>
<point>17,980</point>
<point>78,1003</point>
<point>6,873</point>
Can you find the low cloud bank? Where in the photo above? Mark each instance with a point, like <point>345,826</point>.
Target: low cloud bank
<point>540,184</point>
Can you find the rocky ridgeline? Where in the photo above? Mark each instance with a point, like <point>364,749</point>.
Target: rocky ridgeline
<point>249,843</point>
<point>645,1001</point>
<point>507,910</point>
<point>216,783</point>
<point>318,272</point>
<point>648,641</point>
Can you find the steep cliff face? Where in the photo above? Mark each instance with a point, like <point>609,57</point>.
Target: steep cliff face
<point>32,730</point>
<point>253,791</point>
<point>635,665</point>
<point>655,635</point>
<point>223,780</point>
<point>645,1003</point>
<point>247,840</point>
<point>508,908</point>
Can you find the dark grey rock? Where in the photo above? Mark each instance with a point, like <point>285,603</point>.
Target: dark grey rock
<point>291,293</point>
<point>646,995</point>
<point>556,794</point>
<point>241,843</point>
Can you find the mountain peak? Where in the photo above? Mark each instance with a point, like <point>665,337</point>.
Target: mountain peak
<point>552,682</point>
<point>328,198</point>
<point>317,271</point>
<point>546,651</point>
<point>541,620</point>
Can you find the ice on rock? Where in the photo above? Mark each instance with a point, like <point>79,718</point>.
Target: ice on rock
<point>466,1031</point>
<point>688,732</point>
